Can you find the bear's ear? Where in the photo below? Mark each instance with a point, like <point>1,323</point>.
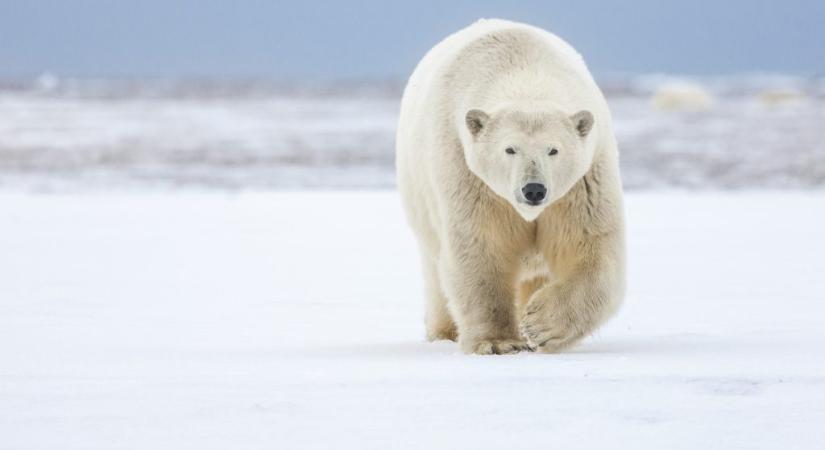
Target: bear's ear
<point>476,120</point>
<point>583,121</point>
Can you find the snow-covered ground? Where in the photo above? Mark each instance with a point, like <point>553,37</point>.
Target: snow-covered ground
<point>186,320</point>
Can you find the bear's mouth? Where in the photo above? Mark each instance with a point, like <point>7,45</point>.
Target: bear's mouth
<point>530,203</point>
<point>520,199</point>
<point>527,202</point>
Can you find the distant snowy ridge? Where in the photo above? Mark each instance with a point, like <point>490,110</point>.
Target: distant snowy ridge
<point>750,131</point>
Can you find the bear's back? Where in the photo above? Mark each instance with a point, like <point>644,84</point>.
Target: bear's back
<point>490,62</point>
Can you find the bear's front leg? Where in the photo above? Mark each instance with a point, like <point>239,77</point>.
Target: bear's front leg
<point>480,298</point>
<point>563,312</point>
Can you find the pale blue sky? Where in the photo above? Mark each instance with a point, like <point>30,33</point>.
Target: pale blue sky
<point>383,39</point>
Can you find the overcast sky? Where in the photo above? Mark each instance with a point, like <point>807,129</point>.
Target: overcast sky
<point>384,39</point>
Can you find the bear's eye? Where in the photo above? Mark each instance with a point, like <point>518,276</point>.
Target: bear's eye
<point>510,151</point>
<point>552,151</point>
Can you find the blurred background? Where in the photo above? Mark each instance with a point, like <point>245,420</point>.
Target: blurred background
<point>260,94</point>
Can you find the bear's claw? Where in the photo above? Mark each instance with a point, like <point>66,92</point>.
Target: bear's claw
<point>546,337</point>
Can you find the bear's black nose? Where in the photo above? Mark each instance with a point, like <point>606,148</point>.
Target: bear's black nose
<point>534,192</point>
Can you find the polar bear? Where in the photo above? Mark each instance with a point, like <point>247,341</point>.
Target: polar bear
<point>507,167</point>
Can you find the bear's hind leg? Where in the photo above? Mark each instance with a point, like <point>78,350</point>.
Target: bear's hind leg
<point>526,289</point>
<point>437,318</point>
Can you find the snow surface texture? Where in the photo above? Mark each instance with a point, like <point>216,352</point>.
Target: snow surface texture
<point>753,132</point>
<point>259,320</point>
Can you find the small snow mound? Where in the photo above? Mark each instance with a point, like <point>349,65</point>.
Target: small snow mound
<point>47,82</point>
<point>780,96</point>
<point>682,96</point>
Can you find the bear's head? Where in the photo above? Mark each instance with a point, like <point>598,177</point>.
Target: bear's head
<point>529,156</point>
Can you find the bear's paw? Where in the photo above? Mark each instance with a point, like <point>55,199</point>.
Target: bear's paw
<point>548,331</point>
<point>494,346</point>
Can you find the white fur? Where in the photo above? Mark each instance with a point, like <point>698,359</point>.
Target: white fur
<point>493,85</point>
